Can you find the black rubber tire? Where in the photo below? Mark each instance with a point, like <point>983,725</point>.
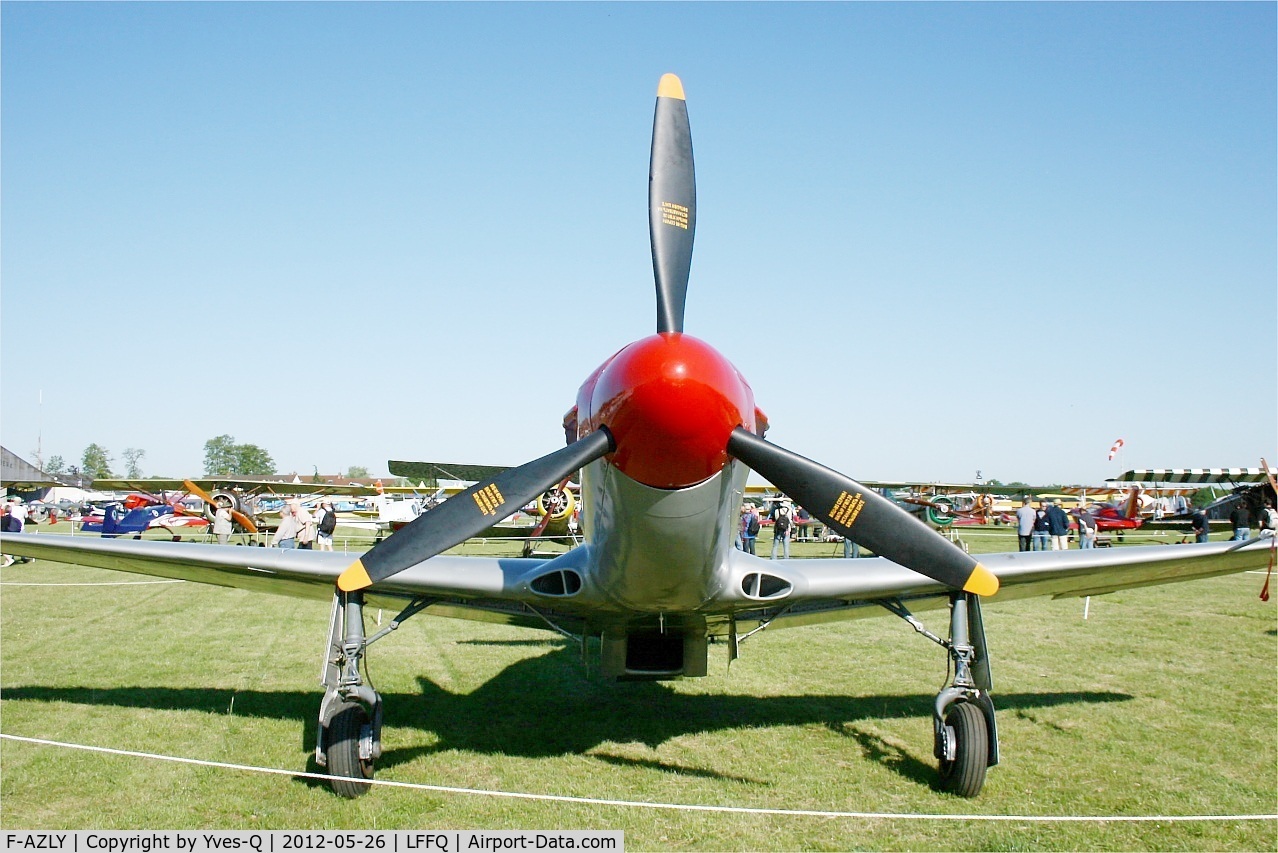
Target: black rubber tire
<point>965,775</point>
<point>343,752</point>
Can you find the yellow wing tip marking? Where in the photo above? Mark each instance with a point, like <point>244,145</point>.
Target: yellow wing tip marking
<point>981,582</point>
<point>670,87</point>
<point>354,578</point>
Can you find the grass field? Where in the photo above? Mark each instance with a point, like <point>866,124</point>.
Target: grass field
<point>1163,702</point>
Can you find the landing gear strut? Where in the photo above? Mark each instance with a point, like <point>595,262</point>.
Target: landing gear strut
<point>350,719</point>
<point>349,741</point>
<point>965,735</point>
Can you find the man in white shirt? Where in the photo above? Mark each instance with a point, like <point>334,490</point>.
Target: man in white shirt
<point>1025,523</point>
<point>17,515</point>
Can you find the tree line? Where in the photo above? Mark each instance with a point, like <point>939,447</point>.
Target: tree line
<point>223,457</point>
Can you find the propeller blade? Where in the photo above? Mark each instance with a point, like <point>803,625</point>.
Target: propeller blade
<point>863,515</point>
<point>471,512</point>
<point>672,202</point>
<point>243,520</point>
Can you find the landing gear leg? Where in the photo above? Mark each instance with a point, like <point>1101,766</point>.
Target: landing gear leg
<point>965,735</point>
<point>350,719</point>
<point>966,738</point>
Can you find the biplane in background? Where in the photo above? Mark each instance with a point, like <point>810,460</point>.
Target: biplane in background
<point>550,516</point>
<point>242,495</point>
<point>662,437</point>
<point>943,505</point>
<point>1253,488</point>
<point>940,504</point>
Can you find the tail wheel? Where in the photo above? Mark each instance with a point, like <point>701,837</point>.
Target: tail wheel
<point>349,734</point>
<point>964,775</point>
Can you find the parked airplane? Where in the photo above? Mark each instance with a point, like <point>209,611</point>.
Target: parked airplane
<point>550,515</point>
<point>555,508</point>
<point>238,493</point>
<point>1252,487</point>
<point>1200,476</point>
<point>1113,515</point>
<point>664,434</point>
<point>138,519</point>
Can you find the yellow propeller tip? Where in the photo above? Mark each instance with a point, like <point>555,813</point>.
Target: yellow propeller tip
<point>981,582</point>
<point>670,87</point>
<point>354,578</point>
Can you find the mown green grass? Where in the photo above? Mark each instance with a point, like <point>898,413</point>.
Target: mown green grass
<point>1163,702</point>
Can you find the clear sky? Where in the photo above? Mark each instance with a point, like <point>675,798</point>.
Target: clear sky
<point>936,239</point>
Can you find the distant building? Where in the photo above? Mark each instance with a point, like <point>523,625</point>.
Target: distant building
<point>19,476</point>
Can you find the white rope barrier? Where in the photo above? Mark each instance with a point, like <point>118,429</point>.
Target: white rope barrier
<point>596,801</point>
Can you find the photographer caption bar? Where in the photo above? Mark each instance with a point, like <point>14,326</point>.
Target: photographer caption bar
<point>283,841</point>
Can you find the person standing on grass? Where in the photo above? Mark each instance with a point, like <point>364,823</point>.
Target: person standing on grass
<point>305,526</point>
<point>781,529</point>
<point>222,523</point>
<point>1198,523</point>
<point>286,534</point>
<point>1086,530</point>
<point>17,516</point>
<point>1241,520</point>
<point>6,522</point>
<point>1268,521</point>
<point>749,529</point>
<point>1058,526</point>
<point>1025,524</point>
<point>327,524</point>
<point>1041,536</point>
<point>803,523</point>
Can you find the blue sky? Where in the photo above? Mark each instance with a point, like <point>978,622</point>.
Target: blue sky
<point>936,239</point>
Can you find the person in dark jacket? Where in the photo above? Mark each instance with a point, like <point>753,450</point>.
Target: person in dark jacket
<point>1240,518</point>
<point>1086,529</point>
<point>749,528</point>
<point>327,524</point>
<point>1058,526</point>
<point>1041,535</point>
<point>1198,523</point>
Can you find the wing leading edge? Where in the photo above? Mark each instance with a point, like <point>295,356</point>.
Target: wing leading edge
<point>827,590</point>
<point>299,574</point>
<point>478,587</point>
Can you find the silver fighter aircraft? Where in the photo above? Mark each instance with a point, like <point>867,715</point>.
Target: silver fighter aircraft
<point>663,435</point>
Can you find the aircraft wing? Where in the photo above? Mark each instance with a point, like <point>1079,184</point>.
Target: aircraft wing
<point>24,485</point>
<point>1202,476</point>
<point>461,471</point>
<point>481,581</point>
<point>278,487</point>
<point>845,588</point>
<point>478,587</point>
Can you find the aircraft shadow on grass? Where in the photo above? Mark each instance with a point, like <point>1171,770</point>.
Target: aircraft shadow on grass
<point>541,707</point>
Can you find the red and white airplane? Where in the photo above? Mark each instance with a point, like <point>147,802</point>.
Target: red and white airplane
<point>663,435</point>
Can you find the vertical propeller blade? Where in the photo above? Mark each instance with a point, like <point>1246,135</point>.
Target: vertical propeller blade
<point>672,203</point>
<point>471,512</point>
<point>863,515</point>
